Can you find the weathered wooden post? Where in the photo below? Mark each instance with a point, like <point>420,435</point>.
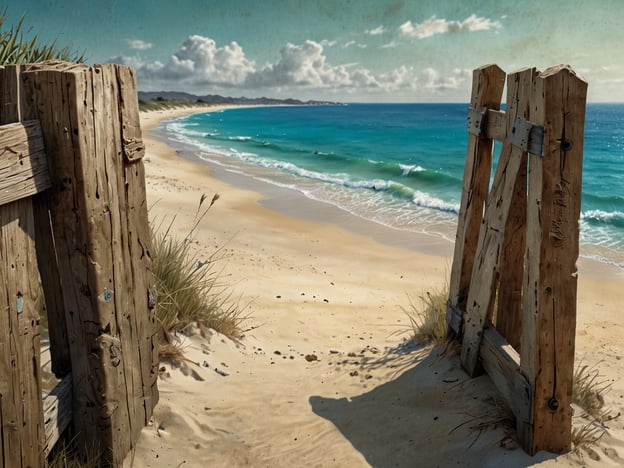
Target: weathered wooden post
<point>487,88</point>
<point>492,234</point>
<point>523,265</point>
<point>97,212</point>
<point>552,248</point>
<point>23,174</point>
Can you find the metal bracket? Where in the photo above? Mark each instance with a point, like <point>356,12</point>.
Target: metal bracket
<point>475,121</point>
<point>527,136</point>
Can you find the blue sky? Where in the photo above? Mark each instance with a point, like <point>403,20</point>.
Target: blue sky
<point>345,50</point>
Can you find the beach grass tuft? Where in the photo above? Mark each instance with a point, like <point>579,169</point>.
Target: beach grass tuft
<point>588,392</point>
<point>428,322</point>
<point>191,291</point>
<point>65,454</point>
<point>16,49</point>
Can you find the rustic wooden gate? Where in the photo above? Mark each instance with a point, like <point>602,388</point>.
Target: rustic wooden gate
<point>513,282</point>
<point>74,214</point>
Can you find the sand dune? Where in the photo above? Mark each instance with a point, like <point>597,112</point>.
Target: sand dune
<point>323,376</point>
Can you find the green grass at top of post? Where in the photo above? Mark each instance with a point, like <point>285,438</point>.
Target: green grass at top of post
<point>15,48</point>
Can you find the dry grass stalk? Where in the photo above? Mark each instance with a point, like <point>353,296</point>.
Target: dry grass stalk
<point>191,291</point>
<point>428,323</point>
<point>588,393</point>
<point>65,454</point>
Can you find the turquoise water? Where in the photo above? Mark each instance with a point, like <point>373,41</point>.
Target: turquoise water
<point>400,165</point>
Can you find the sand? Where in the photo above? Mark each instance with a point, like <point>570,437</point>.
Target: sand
<point>323,375</point>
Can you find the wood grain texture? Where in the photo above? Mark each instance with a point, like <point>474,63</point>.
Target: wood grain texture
<point>98,215</point>
<point>57,412</point>
<point>502,363</point>
<point>550,282</point>
<point>486,267</point>
<point>487,90</point>
<point>21,409</point>
<point>23,163</point>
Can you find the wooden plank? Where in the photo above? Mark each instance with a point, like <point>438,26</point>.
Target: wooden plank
<point>47,261</point>
<point>11,97</point>
<point>511,270</point>
<point>133,146</point>
<point>98,214</point>
<point>21,412</point>
<point>549,298</point>
<point>487,88</point>
<point>139,248</point>
<point>491,236</point>
<point>495,125</point>
<point>454,318</point>
<point>23,163</point>
<point>502,363</point>
<point>57,412</point>
<point>55,96</point>
<point>100,172</point>
<point>20,366</point>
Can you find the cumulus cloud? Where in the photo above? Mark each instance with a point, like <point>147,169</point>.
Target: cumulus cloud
<point>435,25</point>
<point>431,79</point>
<point>352,43</point>
<point>138,44</point>
<point>328,43</point>
<point>304,65</point>
<point>389,45</point>
<point>200,62</point>
<point>376,31</point>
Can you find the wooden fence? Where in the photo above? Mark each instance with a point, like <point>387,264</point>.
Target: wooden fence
<point>513,282</point>
<point>73,219</point>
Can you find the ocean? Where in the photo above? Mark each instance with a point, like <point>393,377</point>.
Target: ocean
<point>399,165</point>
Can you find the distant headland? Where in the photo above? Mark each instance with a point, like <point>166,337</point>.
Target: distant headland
<point>155,96</point>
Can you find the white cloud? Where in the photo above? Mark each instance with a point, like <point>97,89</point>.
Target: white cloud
<point>434,26</point>
<point>328,43</point>
<point>200,61</point>
<point>199,65</point>
<point>389,45</point>
<point>432,80</point>
<point>138,44</point>
<point>352,43</point>
<point>304,65</point>
<point>376,31</point>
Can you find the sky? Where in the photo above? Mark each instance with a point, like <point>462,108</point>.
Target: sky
<point>339,50</point>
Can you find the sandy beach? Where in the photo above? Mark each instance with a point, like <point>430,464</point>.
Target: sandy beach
<point>322,376</point>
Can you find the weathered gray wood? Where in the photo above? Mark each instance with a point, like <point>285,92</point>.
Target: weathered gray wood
<point>549,297</point>
<point>495,125</point>
<point>140,238</point>
<point>132,139</point>
<point>454,318</point>
<point>487,89</point>
<point>486,266</point>
<point>23,163</point>
<point>46,254</point>
<point>21,412</point>
<point>98,214</point>
<point>502,363</point>
<point>57,412</point>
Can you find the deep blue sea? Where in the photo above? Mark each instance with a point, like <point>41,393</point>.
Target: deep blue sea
<point>400,165</point>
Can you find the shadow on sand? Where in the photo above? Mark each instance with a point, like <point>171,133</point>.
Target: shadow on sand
<point>429,414</point>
